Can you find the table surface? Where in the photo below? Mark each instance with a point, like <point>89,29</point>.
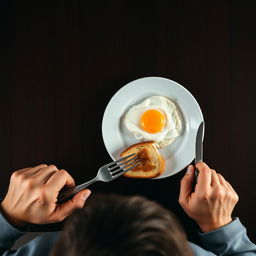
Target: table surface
<point>62,62</point>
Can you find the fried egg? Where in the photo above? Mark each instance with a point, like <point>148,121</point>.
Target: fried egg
<point>155,119</point>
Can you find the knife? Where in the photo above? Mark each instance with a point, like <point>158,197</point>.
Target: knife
<point>199,146</point>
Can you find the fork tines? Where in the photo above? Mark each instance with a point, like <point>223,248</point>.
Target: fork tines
<point>124,166</point>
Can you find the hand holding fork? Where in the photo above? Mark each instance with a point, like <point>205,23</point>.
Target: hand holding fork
<point>106,173</point>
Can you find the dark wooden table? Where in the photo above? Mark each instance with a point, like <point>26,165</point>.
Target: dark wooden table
<point>61,63</point>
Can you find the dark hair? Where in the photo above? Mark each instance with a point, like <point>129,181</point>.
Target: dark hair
<point>111,225</point>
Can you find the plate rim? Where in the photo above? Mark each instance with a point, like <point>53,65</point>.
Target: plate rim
<point>129,84</point>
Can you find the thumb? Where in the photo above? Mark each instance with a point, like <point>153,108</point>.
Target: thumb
<point>68,207</point>
<point>186,184</point>
<point>79,199</point>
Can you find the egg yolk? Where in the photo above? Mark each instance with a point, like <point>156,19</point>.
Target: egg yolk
<point>152,121</point>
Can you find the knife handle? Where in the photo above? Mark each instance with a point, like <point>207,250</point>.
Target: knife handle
<point>196,172</point>
<point>196,175</point>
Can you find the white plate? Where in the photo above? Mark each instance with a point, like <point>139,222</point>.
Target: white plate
<point>116,137</point>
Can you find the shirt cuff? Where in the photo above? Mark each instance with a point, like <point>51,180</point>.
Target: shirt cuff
<point>222,235</point>
<point>9,234</point>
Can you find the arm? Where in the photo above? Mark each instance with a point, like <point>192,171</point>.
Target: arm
<point>230,239</point>
<point>31,198</point>
<point>41,245</point>
<point>211,204</point>
<point>9,234</point>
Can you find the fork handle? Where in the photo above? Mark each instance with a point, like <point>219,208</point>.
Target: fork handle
<point>70,192</point>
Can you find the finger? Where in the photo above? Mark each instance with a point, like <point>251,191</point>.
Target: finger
<point>21,172</point>
<point>65,209</point>
<point>214,179</point>
<point>24,169</point>
<point>186,184</point>
<point>32,170</point>
<point>229,185</point>
<point>235,195</point>
<point>226,184</point>
<point>43,175</point>
<point>204,177</point>
<point>58,180</point>
<point>222,180</point>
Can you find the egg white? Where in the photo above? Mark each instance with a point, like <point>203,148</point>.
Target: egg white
<point>172,127</point>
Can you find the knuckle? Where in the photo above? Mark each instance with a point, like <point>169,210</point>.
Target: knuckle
<point>203,196</point>
<point>53,166</point>
<point>41,166</point>
<point>30,183</point>
<point>15,175</point>
<point>236,197</point>
<point>233,195</point>
<point>221,193</point>
<point>201,166</point>
<point>18,176</point>
<point>205,171</point>
<point>229,194</point>
<point>181,201</point>
<point>63,172</point>
<point>220,175</point>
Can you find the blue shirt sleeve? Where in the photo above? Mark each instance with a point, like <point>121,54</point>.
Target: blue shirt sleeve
<point>8,234</point>
<point>230,239</point>
<point>40,246</point>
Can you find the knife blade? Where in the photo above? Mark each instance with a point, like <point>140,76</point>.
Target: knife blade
<point>199,146</point>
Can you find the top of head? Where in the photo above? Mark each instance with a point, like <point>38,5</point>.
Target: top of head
<point>138,227</point>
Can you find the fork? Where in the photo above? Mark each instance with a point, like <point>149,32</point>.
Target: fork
<point>106,173</point>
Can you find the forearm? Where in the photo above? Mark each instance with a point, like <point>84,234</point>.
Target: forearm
<point>229,240</point>
<point>8,235</point>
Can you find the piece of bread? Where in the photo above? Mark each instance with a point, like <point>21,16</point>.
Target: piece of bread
<point>152,163</point>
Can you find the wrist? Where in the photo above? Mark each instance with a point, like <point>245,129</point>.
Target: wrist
<point>208,227</point>
<point>10,218</point>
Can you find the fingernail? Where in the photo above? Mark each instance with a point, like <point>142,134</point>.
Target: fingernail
<point>189,169</point>
<point>86,195</point>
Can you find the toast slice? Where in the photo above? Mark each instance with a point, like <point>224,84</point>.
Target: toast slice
<point>152,163</point>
